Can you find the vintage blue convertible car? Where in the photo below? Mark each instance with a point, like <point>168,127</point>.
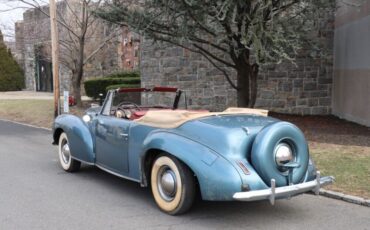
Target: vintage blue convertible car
<point>148,136</point>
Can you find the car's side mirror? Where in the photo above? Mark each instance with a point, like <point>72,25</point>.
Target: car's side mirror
<point>101,99</point>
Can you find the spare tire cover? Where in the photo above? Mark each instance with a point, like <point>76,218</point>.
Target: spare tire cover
<point>263,158</point>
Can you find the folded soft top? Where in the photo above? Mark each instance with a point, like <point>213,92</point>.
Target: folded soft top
<point>175,118</point>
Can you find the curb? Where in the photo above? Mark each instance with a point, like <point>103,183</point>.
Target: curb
<point>347,198</point>
<point>20,123</point>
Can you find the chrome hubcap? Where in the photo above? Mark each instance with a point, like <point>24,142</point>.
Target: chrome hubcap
<point>166,183</point>
<point>66,154</point>
<point>283,154</point>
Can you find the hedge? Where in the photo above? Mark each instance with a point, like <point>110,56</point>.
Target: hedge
<point>97,86</point>
<point>124,74</point>
<point>11,75</point>
<point>122,86</point>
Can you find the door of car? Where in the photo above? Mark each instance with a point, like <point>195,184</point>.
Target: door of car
<point>111,139</point>
<point>112,143</point>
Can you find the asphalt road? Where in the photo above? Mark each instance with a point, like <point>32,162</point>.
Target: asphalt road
<point>35,193</point>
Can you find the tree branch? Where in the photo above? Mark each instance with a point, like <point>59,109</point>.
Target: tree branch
<point>110,37</point>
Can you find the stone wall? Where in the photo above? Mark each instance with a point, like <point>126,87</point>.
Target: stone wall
<point>304,88</point>
<point>19,43</point>
<point>34,32</point>
<point>166,65</point>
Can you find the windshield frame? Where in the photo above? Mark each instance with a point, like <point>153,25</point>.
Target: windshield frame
<point>178,93</point>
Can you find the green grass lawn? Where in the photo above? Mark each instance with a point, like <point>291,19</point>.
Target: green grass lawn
<point>34,112</point>
<point>350,165</point>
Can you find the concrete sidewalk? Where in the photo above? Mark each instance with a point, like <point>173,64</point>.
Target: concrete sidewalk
<point>21,95</point>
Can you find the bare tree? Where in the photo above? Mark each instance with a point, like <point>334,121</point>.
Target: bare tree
<point>83,36</point>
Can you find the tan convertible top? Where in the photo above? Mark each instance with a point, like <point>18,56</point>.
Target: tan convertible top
<point>175,118</point>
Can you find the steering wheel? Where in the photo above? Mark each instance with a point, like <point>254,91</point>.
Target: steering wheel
<point>125,112</point>
<point>128,103</point>
<point>120,113</point>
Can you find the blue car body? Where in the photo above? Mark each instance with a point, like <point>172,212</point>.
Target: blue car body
<point>216,148</point>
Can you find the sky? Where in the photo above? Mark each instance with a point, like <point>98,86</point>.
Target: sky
<point>10,12</point>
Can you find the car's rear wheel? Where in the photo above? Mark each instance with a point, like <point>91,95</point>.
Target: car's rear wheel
<point>173,185</point>
<point>65,158</point>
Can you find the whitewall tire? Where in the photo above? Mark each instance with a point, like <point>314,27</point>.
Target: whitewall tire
<point>65,158</point>
<point>173,185</point>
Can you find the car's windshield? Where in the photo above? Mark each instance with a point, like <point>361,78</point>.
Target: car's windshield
<point>150,99</point>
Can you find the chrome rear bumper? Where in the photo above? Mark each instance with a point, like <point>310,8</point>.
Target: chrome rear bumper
<point>286,191</point>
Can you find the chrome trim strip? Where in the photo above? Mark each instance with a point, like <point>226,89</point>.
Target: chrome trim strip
<point>116,174</point>
<point>284,192</point>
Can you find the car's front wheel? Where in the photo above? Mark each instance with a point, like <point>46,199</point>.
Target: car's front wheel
<point>173,185</point>
<point>65,158</point>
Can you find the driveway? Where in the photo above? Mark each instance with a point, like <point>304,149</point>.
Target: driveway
<point>35,193</point>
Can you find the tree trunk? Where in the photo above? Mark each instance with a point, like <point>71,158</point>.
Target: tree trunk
<point>253,79</point>
<point>78,73</point>
<point>247,85</point>
<point>243,86</point>
<point>76,88</point>
<point>76,81</point>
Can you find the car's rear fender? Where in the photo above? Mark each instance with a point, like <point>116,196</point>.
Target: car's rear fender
<point>218,179</point>
<point>79,137</point>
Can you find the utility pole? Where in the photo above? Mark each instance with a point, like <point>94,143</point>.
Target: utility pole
<point>55,55</point>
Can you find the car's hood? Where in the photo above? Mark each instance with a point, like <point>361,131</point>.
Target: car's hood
<point>230,135</point>
<point>93,110</point>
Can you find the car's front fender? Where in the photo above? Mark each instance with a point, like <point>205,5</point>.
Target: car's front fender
<point>218,179</point>
<point>79,137</point>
